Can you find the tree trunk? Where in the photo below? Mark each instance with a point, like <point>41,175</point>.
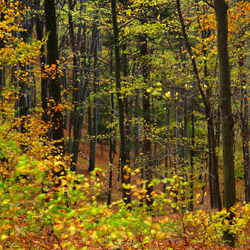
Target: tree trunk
<point>44,82</point>
<point>192,155</point>
<point>147,145</point>
<point>94,132</point>
<point>22,83</point>
<point>245,147</point>
<point>226,113</point>
<point>123,146</point>
<point>244,128</point>
<point>54,83</point>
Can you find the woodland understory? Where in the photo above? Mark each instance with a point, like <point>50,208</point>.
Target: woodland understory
<point>124,124</point>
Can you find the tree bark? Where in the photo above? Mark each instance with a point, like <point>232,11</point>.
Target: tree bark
<point>57,133</point>
<point>226,113</point>
<point>123,146</point>
<point>44,82</point>
<point>94,132</point>
<point>146,107</point>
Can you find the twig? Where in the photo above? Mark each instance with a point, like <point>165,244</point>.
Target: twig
<point>84,155</point>
<point>54,234</point>
<point>7,132</point>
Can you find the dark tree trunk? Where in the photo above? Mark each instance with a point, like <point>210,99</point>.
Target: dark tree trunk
<point>147,145</point>
<point>54,82</point>
<point>192,155</point>
<point>126,101</point>
<point>112,136</point>
<point>23,82</point>
<point>245,147</point>
<point>112,150</point>
<point>167,166</point>
<point>244,128</point>
<point>123,146</point>
<point>226,113</point>
<point>94,132</point>
<point>76,114</point>
<point>44,82</point>
<point>23,103</point>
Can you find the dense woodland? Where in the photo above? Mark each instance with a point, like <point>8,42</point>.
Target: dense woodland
<point>162,86</point>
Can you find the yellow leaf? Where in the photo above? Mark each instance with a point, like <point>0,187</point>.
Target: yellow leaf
<point>126,186</point>
<point>63,182</point>
<point>3,237</point>
<point>59,226</point>
<point>159,235</point>
<point>86,185</point>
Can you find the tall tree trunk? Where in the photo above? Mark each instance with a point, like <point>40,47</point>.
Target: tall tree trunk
<point>226,113</point>
<point>167,166</point>
<point>54,82</point>
<point>44,82</point>
<point>126,100</point>
<point>244,128</point>
<point>23,81</point>
<point>112,135</point>
<point>94,132</point>
<point>81,89</point>
<point>192,155</point>
<point>123,146</point>
<point>245,145</point>
<point>147,145</point>
<point>75,114</point>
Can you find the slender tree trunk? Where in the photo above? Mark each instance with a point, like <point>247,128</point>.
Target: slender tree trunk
<point>245,130</point>
<point>112,139</point>
<point>22,83</point>
<point>126,101</point>
<point>44,82</point>
<point>76,113</point>
<point>123,146</point>
<point>167,166</point>
<point>94,132</point>
<point>245,147</point>
<point>146,107</point>
<point>192,155</point>
<point>226,113</point>
<point>111,151</point>
<point>81,95</point>
<point>54,82</point>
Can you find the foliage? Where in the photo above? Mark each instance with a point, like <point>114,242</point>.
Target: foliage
<point>43,210</point>
<point>70,216</point>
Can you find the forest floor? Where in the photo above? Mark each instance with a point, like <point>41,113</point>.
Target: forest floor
<point>46,240</point>
<point>102,162</point>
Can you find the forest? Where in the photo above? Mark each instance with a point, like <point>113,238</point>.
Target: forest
<point>124,124</point>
